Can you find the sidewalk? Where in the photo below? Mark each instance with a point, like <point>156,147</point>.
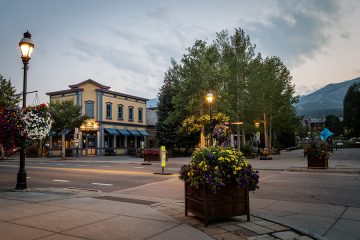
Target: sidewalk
<point>71,214</point>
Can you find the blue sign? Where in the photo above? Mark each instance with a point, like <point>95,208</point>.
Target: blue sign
<point>325,134</point>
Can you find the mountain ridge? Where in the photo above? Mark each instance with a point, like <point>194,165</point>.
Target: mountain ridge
<point>325,101</point>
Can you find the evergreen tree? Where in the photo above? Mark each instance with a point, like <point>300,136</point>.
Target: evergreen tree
<point>334,124</point>
<point>8,96</point>
<point>168,132</point>
<point>352,110</point>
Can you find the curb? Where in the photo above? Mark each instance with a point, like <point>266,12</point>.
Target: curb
<point>328,170</point>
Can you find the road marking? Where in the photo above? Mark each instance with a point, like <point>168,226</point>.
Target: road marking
<point>60,180</point>
<point>60,164</point>
<point>28,177</point>
<point>138,167</point>
<point>105,166</point>
<point>82,165</point>
<point>102,184</point>
<point>86,170</point>
<point>42,163</point>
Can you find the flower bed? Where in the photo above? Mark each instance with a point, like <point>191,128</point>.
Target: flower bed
<point>151,154</point>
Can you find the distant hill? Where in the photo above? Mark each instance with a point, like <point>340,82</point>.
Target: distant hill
<point>151,103</point>
<point>325,101</point>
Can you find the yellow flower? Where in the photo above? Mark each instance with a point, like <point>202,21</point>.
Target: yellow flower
<point>216,168</point>
<point>220,158</point>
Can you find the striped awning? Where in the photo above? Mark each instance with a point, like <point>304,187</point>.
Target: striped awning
<point>123,132</point>
<point>111,131</point>
<point>134,133</point>
<point>143,133</point>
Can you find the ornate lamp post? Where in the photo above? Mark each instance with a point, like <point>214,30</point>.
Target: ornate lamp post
<point>209,98</point>
<point>26,46</point>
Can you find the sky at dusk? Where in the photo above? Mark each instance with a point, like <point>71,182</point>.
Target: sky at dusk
<point>128,44</point>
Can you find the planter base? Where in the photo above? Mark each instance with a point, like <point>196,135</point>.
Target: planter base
<point>229,201</point>
<point>318,163</point>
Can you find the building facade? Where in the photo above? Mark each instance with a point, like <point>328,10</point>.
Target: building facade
<point>117,121</point>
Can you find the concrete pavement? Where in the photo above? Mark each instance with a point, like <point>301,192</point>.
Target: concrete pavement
<point>71,214</point>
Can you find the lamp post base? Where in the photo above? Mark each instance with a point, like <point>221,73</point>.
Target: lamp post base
<point>21,176</point>
<point>21,181</point>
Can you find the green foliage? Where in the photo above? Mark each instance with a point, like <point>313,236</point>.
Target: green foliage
<point>168,131</point>
<point>334,124</point>
<point>66,116</point>
<point>352,110</point>
<point>8,96</point>
<point>245,86</point>
<point>193,124</point>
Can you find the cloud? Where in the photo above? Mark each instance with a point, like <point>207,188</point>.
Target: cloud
<point>118,58</point>
<point>345,35</point>
<point>298,30</point>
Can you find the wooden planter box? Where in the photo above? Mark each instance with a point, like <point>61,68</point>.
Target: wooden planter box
<point>151,158</point>
<point>318,162</point>
<point>229,201</point>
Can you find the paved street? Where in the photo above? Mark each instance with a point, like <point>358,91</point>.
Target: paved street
<point>323,203</point>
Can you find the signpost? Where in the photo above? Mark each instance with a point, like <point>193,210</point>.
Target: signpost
<point>163,158</point>
<point>163,161</point>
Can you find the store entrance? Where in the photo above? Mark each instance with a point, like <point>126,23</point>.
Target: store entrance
<point>89,140</point>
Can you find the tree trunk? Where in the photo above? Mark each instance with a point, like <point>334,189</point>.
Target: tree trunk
<point>2,152</point>
<point>270,134</point>
<point>40,148</point>
<point>63,145</point>
<point>266,133</point>
<point>238,137</point>
<point>243,137</point>
<point>202,138</point>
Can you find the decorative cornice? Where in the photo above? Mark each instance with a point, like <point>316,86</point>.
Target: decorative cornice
<point>65,91</point>
<point>89,81</point>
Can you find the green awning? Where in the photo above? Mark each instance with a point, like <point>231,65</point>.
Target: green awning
<point>144,133</point>
<point>111,131</point>
<point>123,132</point>
<point>134,133</point>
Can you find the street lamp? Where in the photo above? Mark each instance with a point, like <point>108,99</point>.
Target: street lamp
<point>26,47</point>
<point>209,98</point>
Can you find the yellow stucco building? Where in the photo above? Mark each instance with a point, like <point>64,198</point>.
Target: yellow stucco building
<point>117,121</point>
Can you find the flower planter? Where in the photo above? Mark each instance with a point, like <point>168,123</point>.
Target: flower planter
<point>229,201</point>
<point>318,162</point>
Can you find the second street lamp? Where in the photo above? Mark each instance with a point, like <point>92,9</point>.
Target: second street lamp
<point>26,46</point>
<point>209,98</point>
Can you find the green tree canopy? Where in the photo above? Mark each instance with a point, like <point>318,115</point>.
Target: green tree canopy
<point>8,96</point>
<point>352,110</point>
<point>334,124</point>
<point>245,86</point>
<point>66,116</point>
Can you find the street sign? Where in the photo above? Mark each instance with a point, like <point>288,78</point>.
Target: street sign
<point>163,156</point>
